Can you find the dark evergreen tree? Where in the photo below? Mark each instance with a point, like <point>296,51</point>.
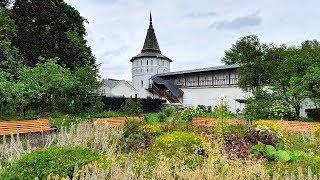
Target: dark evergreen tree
<point>49,29</point>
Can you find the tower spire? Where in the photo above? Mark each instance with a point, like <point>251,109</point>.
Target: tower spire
<point>150,19</point>
<point>151,43</point>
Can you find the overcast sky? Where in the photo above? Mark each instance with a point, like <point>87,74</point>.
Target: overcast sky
<point>193,33</point>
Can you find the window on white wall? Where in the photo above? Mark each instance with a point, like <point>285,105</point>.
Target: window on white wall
<point>147,62</point>
<point>142,83</point>
<point>151,62</point>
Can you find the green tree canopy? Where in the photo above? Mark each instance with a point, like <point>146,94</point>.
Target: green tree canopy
<point>285,69</point>
<point>49,29</point>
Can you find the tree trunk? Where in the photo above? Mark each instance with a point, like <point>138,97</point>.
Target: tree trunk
<point>297,110</point>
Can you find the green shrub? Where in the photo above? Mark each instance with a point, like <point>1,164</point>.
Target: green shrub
<point>280,111</point>
<point>138,136</point>
<point>161,116</point>
<point>181,145</point>
<point>206,109</point>
<point>67,120</point>
<point>107,114</point>
<point>132,107</point>
<point>223,112</point>
<point>97,106</point>
<point>188,114</point>
<point>169,111</point>
<point>258,106</point>
<point>271,153</point>
<point>55,160</point>
<point>156,117</point>
<point>32,114</point>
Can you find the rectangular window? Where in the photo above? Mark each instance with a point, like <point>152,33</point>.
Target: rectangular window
<point>151,62</point>
<point>142,83</point>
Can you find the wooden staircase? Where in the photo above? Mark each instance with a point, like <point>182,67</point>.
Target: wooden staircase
<point>162,93</point>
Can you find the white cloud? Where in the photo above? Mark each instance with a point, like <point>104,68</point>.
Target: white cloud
<point>253,19</point>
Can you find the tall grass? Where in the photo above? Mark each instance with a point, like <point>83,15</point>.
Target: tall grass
<point>134,166</point>
<point>99,137</point>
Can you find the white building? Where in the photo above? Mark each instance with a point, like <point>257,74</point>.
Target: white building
<point>117,88</point>
<point>151,77</point>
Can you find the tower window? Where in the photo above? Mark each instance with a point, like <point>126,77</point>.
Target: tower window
<point>142,83</point>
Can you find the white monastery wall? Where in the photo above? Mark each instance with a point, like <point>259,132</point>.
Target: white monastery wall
<point>210,96</point>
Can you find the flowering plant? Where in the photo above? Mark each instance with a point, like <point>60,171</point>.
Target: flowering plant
<point>189,113</point>
<point>280,111</point>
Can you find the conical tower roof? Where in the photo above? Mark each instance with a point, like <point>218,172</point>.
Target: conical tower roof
<point>150,47</point>
<point>151,43</point>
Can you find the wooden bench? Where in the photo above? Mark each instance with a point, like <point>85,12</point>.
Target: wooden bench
<point>115,121</point>
<point>25,127</point>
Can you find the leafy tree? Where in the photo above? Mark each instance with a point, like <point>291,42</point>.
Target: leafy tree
<point>5,91</point>
<point>9,61</point>
<point>48,37</point>
<point>282,68</point>
<point>49,29</point>
<point>311,83</point>
<point>251,54</point>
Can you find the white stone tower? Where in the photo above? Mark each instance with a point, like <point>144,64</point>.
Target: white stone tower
<point>148,63</point>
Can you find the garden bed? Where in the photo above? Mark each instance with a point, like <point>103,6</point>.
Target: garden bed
<point>210,122</point>
<point>115,121</point>
<point>296,126</point>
